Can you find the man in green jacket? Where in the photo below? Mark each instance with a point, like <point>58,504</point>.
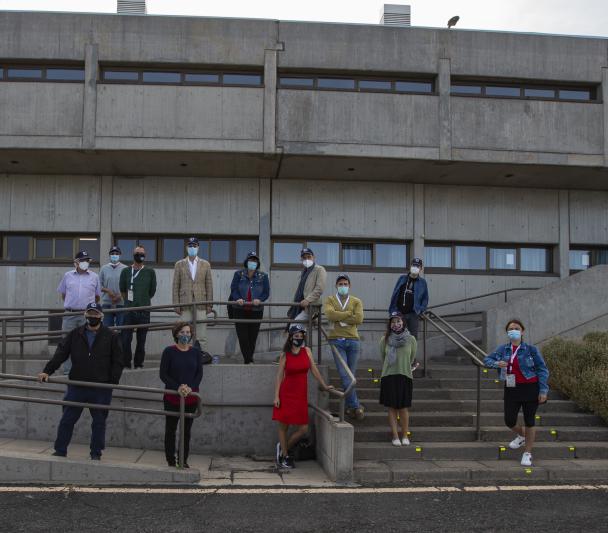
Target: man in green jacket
<point>137,286</point>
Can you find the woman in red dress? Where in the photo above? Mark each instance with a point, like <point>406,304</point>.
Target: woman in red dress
<point>291,392</point>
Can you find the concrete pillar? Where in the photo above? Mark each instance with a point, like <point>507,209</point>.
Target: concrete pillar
<point>563,254</point>
<point>89,112</point>
<point>264,246</point>
<point>445,112</point>
<point>270,102</point>
<point>105,219</point>
<point>605,106</point>
<point>418,242</point>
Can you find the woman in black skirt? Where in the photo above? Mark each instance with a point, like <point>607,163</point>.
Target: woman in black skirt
<point>398,352</point>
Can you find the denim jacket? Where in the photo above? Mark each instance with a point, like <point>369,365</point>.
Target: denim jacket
<point>421,295</point>
<point>260,286</point>
<point>531,363</point>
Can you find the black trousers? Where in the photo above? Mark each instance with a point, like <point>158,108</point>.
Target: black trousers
<point>247,333</point>
<point>411,321</point>
<point>133,318</point>
<point>171,423</point>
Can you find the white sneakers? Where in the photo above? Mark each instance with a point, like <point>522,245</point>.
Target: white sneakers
<point>517,442</point>
<point>526,459</point>
<point>396,442</point>
<point>401,442</point>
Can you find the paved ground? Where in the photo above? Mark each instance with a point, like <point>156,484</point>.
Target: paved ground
<point>244,510</point>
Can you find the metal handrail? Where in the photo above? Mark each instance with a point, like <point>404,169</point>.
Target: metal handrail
<point>435,316</point>
<point>151,390</point>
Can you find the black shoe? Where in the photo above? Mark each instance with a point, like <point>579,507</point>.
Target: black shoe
<point>171,463</point>
<point>290,461</point>
<point>185,465</point>
<point>284,463</point>
<point>95,457</point>
<point>59,454</point>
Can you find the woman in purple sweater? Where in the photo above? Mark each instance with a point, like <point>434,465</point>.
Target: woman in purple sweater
<point>181,369</point>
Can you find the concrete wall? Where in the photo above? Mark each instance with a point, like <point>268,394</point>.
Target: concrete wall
<point>335,448</point>
<point>588,217</point>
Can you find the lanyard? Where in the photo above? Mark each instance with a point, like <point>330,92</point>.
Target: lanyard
<point>342,305</point>
<point>513,356</point>
<point>134,276</point>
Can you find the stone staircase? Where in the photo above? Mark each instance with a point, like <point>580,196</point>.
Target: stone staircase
<point>571,443</point>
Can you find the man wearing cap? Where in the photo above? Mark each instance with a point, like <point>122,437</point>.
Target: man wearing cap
<point>78,288</point>
<point>192,282</point>
<point>96,355</point>
<point>345,312</point>
<point>310,287</point>
<point>411,296</point>
<point>109,278</point>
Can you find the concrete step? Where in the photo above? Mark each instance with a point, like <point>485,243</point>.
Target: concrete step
<point>467,420</point>
<point>476,451</point>
<point>433,383</point>
<point>490,434</point>
<point>373,393</point>
<point>415,472</point>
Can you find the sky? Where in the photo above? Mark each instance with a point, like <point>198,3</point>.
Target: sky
<point>572,17</point>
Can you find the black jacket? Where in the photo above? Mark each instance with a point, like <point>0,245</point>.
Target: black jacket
<point>102,364</point>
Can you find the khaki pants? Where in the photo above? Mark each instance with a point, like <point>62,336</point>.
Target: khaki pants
<point>201,329</point>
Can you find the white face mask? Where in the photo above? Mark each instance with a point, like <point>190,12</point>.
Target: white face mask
<point>308,263</point>
<point>84,265</point>
<point>414,270</point>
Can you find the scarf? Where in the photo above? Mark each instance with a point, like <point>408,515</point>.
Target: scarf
<point>394,341</point>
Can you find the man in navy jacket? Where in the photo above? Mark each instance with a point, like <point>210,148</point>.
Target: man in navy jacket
<point>410,296</point>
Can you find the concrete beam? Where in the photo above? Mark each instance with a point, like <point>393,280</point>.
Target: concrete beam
<point>445,110</point>
<point>105,217</point>
<point>89,112</point>
<point>418,243</point>
<point>270,102</point>
<point>563,249</point>
<point>605,107</point>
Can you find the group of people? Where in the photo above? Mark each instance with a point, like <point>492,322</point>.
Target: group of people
<point>97,355</point>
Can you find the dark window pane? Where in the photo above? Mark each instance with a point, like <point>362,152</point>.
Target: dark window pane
<point>539,93</point>
<point>375,85</point>
<point>150,247</point>
<point>30,73</point>
<point>17,248</point>
<point>162,77</point>
<point>335,83</point>
<point>534,259</point>
<point>391,255</point>
<point>414,86</point>
<point>503,91</point>
<point>201,78</point>
<point>126,245</point>
<point>471,257</point>
<point>243,247</point>
<point>438,256</point>
<point>203,248</point>
<point>242,79</point>
<point>173,250</point>
<point>600,257</point>
<point>357,254</point>
<point>580,259</point>
<point>64,249</point>
<point>90,244</point>
<point>1,73</point>
<point>67,74</point>
<point>502,258</point>
<point>286,253</point>
<point>575,95</point>
<point>220,251</point>
<point>326,253</point>
<point>296,82</point>
<point>465,89</point>
<point>120,75</point>
<point>44,248</point>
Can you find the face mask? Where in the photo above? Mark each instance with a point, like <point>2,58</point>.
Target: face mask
<point>308,263</point>
<point>397,328</point>
<point>514,334</point>
<point>297,342</point>
<point>84,265</point>
<point>93,321</point>
<point>192,251</point>
<point>184,339</point>
<point>139,258</point>
<point>342,290</point>
<point>414,271</point>
<point>252,265</point>
<point>114,258</point>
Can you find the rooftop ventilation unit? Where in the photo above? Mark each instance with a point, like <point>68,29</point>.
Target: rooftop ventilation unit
<point>396,15</point>
<point>131,7</point>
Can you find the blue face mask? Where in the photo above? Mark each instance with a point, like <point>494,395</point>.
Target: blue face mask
<point>342,290</point>
<point>184,339</point>
<point>252,265</point>
<point>514,334</point>
<point>192,251</point>
<point>114,258</point>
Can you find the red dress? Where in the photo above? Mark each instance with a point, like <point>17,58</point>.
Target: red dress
<point>293,391</point>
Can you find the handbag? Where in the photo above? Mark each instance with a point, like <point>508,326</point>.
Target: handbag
<point>206,357</point>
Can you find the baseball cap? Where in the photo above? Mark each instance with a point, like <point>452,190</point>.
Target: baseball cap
<point>342,276</point>
<point>395,314</point>
<point>94,306</point>
<point>192,241</point>
<point>306,251</point>
<point>295,328</point>
<point>83,254</point>
<point>115,250</point>
<point>251,255</point>
<point>417,262</point>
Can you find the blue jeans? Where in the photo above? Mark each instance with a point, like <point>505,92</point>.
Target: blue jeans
<point>113,319</point>
<point>349,349</point>
<point>72,414</point>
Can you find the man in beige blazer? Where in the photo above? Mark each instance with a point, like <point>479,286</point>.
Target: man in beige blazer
<point>310,286</point>
<point>192,283</point>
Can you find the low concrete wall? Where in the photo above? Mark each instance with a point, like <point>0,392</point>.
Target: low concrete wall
<point>570,307</point>
<point>335,447</point>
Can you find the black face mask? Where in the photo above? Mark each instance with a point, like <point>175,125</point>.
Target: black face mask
<point>93,321</point>
<point>139,258</point>
<point>297,342</point>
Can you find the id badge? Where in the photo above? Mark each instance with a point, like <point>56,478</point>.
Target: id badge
<point>343,324</point>
<point>510,382</point>
<point>130,295</point>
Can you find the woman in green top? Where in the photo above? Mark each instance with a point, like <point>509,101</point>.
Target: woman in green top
<point>398,352</point>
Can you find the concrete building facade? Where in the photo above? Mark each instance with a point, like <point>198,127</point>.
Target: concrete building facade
<point>486,153</point>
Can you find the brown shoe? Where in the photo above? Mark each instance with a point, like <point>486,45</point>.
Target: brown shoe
<point>360,413</point>
<point>350,412</point>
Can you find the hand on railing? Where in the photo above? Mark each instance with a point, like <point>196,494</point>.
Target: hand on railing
<point>43,377</point>
<point>184,390</point>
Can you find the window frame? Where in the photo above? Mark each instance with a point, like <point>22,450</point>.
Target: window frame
<point>593,249</point>
<point>4,68</point>
<point>32,260</point>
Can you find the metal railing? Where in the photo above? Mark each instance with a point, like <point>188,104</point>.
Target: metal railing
<point>132,388</point>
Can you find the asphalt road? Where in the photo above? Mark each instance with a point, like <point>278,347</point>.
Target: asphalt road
<point>540,511</point>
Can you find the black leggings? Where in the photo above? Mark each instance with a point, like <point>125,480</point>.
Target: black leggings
<point>247,333</point>
<point>171,423</point>
<point>524,397</point>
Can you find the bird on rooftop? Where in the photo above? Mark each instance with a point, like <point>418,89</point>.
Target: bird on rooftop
<point>453,21</point>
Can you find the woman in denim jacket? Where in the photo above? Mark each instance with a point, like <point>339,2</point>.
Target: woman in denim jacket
<point>248,289</point>
<point>525,374</point>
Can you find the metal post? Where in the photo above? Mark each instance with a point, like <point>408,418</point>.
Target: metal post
<point>21,330</point>
<point>341,413</point>
<point>478,415</point>
<point>182,429</point>
<point>506,297</point>
<point>309,335</point>
<point>319,351</point>
<point>424,346</point>
<point>4,346</point>
<point>194,318</point>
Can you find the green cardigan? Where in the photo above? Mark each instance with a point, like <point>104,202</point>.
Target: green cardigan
<point>405,357</point>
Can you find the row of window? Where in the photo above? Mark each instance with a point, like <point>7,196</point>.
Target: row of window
<point>33,73</point>
<point>160,77</point>
<point>363,84</point>
<point>46,248</point>
<point>586,258</point>
<point>536,92</point>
